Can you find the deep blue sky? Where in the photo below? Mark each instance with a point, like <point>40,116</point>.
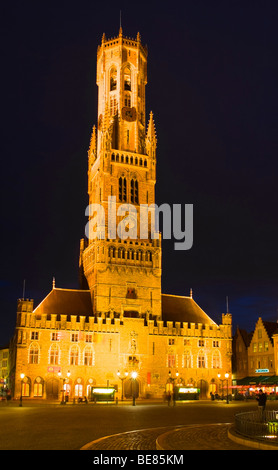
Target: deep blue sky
<point>212,85</point>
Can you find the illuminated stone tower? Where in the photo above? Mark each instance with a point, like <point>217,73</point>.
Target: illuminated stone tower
<point>123,274</point>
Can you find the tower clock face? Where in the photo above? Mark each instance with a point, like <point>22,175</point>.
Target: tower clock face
<point>129,114</point>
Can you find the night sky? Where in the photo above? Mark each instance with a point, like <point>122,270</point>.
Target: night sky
<point>212,86</point>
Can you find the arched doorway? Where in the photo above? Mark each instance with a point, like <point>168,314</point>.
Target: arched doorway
<point>131,388</point>
<point>52,389</point>
<point>203,387</point>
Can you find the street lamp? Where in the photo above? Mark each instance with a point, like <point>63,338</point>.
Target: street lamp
<point>222,381</point>
<point>21,385</point>
<point>133,375</point>
<point>122,379</point>
<point>63,402</point>
<point>227,377</point>
<point>68,374</point>
<point>63,388</point>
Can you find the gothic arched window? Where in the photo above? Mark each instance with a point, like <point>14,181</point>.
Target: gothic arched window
<point>216,360</point>
<point>34,354</point>
<point>74,356</point>
<point>127,100</point>
<point>54,354</point>
<point>113,79</point>
<point>187,359</point>
<point>88,356</point>
<point>127,79</point>
<point>122,189</point>
<point>201,360</point>
<point>113,106</point>
<point>134,191</point>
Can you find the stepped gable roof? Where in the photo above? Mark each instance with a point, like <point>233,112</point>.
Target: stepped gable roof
<point>66,302</point>
<point>271,328</point>
<point>183,309</point>
<point>247,337</point>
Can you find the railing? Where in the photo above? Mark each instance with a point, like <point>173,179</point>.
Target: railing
<point>258,425</point>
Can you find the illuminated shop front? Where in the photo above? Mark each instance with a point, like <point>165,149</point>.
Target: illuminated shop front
<point>186,393</point>
<point>248,387</point>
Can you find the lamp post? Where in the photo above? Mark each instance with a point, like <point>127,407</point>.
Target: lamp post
<point>227,377</point>
<point>63,388</point>
<point>21,384</point>
<point>222,381</point>
<point>133,375</point>
<point>68,375</point>
<point>122,379</point>
<point>63,402</point>
<point>172,381</point>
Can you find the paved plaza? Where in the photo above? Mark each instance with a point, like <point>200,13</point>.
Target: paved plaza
<point>201,425</point>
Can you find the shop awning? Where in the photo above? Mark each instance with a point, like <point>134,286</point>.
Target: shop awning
<point>270,380</point>
<point>258,380</point>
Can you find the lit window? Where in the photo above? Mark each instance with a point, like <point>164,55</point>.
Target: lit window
<point>55,336</point>
<point>54,355</point>
<point>88,357</point>
<point>201,361</point>
<point>134,191</point>
<point>171,360</point>
<point>78,390</point>
<point>127,100</point>
<point>113,106</point>
<point>38,387</point>
<point>122,189</point>
<point>187,360</point>
<point>89,338</point>
<point>34,354</point>
<point>216,361</point>
<point>74,356</point>
<point>113,79</point>
<point>127,79</point>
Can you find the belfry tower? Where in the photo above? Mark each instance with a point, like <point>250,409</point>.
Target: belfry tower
<point>123,273</point>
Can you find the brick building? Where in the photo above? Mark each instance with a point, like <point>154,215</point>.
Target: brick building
<point>119,322</point>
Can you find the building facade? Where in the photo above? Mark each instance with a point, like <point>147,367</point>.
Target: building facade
<point>4,371</point>
<point>255,358</point>
<point>261,349</point>
<point>241,342</point>
<point>119,322</point>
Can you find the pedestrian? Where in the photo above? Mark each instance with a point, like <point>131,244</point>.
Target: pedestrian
<point>261,399</point>
<point>169,398</point>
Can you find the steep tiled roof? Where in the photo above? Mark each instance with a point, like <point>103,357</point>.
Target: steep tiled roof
<point>78,302</point>
<point>66,301</point>
<point>183,309</point>
<point>271,328</point>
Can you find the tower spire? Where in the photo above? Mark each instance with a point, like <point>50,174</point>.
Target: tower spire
<point>151,140</point>
<point>92,152</point>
